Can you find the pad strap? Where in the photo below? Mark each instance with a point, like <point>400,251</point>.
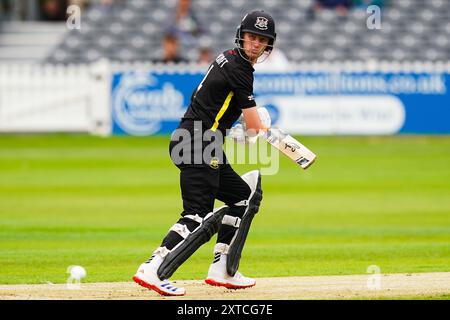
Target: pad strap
<point>231,221</point>
<point>181,229</point>
<point>221,248</point>
<point>196,218</point>
<point>242,203</point>
<point>162,251</point>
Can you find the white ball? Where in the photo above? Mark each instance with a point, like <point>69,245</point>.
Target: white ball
<point>78,272</point>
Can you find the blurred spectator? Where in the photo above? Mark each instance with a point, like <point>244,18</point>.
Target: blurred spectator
<point>340,6</point>
<point>17,10</point>
<point>276,62</point>
<point>363,4</point>
<point>54,10</point>
<point>106,3</point>
<point>204,55</point>
<point>185,24</point>
<point>80,3</point>
<point>170,48</point>
<point>48,10</point>
<point>2,10</point>
<point>205,46</point>
<point>103,3</point>
<point>105,6</point>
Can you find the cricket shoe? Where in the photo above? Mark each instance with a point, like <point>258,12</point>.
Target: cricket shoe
<point>146,276</point>
<point>218,276</point>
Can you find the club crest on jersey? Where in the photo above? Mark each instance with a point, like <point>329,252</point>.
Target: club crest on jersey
<point>214,163</point>
<point>261,23</point>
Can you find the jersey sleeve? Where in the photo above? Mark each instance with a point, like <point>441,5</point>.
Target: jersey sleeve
<point>241,83</point>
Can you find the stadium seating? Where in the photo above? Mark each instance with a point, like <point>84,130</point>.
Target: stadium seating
<point>132,31</point>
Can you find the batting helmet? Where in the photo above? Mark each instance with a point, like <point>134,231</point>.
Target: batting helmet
<point>257,22</point>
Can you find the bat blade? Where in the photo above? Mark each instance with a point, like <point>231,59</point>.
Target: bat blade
<point>290,147</point>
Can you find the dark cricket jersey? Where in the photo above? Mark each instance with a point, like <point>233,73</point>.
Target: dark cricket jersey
<point>226,89</point>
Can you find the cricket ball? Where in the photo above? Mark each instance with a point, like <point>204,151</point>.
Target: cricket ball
<point>78,272</point>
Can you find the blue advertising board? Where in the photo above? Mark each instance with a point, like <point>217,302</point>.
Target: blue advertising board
<point>146,103</point>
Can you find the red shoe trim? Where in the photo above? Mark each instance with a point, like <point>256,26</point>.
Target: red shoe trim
<point>155,288</point>
<point>227,285</point>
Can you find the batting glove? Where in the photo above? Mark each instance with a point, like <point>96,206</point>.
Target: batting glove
<point>237,133</point>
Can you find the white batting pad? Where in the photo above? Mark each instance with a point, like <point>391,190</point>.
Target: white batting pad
<point>251,178</point>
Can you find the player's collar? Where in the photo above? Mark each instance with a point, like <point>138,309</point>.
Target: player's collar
<point>241,59</point>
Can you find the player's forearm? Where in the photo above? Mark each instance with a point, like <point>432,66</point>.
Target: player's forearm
<point>255,129</point>
<point>253,122</point>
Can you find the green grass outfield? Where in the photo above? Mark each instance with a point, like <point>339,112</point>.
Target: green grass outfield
<point>106,203</point>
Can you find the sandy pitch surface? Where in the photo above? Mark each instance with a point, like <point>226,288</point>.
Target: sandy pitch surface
<point>288,288</point>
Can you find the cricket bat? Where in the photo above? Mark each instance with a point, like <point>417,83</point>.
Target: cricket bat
<point>291,147</point>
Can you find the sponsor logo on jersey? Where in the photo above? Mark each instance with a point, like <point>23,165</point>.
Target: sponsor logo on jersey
<point>261,23</point>
<point>221,60</point>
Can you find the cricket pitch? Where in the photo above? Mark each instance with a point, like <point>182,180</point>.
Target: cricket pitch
<point>391,286</point>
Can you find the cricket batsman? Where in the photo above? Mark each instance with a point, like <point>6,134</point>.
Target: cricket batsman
<point>224,94</point>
